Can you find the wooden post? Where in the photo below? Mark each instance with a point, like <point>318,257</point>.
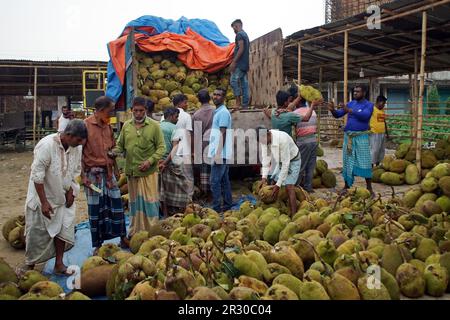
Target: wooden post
<point>299,67</point>
<point>415,98</point>
<point>34,106</point>
<point>421,92</point>
<point>319,109</point>
<point>346,67</point>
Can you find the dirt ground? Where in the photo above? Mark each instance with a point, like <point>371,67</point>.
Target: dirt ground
<point>14,172</point>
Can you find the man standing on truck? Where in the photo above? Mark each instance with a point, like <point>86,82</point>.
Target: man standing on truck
<point>141,141</point>
<point>240,66</point>
<point>220,150</point>
<point>202,123</point>
<point>357,159</point>
<point>285,160</point>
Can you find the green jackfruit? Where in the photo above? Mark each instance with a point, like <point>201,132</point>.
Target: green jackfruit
<point>429,185</point>
<point>313,290</point>
<point>398,166</point>
<point>372,291</point>
<point>376,175</point>
<point>444,184</point>
<point>412,175</point>
<point>402,150</point>
<point>444,203</point>
<point>328,179</point>
<point>321,166</point>
<point>392,179</point>
<point>387,162</point>
<point>428,159</point>
<point>410,280</point>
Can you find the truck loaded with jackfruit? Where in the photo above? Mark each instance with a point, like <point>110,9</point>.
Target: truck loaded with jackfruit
<point>160,66</point>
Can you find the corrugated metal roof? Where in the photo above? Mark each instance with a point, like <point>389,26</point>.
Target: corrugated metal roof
<point>389,51</point>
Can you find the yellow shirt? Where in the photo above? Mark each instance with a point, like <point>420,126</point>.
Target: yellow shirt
<point>377,121</point>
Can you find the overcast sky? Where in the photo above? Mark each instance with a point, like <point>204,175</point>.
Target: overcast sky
<point>80,29</point>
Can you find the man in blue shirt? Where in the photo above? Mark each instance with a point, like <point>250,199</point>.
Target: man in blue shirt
<point>220,150</point>
<point>357,160</point>
<point>240,66</point>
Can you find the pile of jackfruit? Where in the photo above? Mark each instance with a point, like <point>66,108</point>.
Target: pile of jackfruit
<point>161,76</point>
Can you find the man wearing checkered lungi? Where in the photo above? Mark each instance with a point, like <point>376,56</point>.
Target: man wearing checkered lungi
<point>357,159</point>
<point>174,184</point>
<point>106,214</point>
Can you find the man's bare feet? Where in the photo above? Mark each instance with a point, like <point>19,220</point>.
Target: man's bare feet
<point>61,269</point>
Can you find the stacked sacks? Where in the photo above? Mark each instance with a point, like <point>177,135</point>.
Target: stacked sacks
<point>323,177</point>
<point>14,232</point>
<point>161,76</point>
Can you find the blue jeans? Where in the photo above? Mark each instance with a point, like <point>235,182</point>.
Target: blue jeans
<point>239,83</point>
<point>220,186</point>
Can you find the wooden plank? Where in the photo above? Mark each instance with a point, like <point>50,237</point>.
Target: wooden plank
<point>346,67</point>
<point>421,93</point>
<point>266,68</point>
<point>299,64</point>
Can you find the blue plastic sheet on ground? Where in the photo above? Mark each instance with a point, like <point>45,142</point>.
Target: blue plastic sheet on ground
<point>76,256</point>
<point>242,199</point>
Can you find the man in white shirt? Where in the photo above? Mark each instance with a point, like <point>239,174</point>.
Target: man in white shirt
<point>284,157</point>
<point>65,118</point>
<point>184,130</point>
<point>50,207</point>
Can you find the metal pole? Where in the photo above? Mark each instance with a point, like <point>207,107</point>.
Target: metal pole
<point>34,106</point>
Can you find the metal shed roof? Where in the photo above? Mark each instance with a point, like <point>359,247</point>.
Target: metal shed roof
<point>54,78</point>
<point>388,51</point>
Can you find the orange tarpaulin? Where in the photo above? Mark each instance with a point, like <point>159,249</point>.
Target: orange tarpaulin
<point>193,50</point>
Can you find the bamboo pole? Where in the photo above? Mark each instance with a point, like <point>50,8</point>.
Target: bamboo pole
<point>346,67</point>
<point>416,93</point>
<point>34,106</point>
<point>319,110</point>
<point>421,92</point>
<point>299,63</point>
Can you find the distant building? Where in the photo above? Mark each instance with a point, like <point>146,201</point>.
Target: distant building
<point>341,9</point>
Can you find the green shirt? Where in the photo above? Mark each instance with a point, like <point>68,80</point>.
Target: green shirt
<point>168,130</point>
<point>139,145</point>
<point>285,121</point>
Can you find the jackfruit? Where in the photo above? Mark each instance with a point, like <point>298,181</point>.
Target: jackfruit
<point>412,175</point>
<point>441,170</point>
<point>376,175</point>
<point>402,150</point>
<point>398,166</point>
<point>321,166</point>
<point>429,185</point>
<point>387,162</point>
<point>428,159</point>
<point>392,179</point>
<point>444,184</point>
<point>444,203</point>
<point>328,179</point>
